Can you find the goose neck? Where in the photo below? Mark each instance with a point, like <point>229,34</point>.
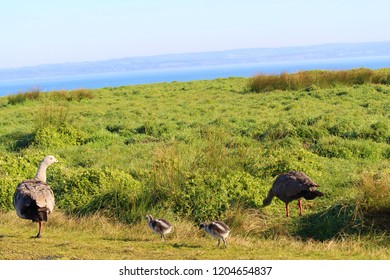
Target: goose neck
<point>41,173</point>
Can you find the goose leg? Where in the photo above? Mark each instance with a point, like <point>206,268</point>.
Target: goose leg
<point>39,229</point>
<point>224,242</point>
<point>300,207</point>
<point>287,212</point>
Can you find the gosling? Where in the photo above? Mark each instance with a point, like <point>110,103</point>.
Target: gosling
<point>159,226</point>
<point>218,230</point>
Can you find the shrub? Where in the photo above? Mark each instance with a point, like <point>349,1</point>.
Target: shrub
<point>335,147</point>
<point>53,128</point>
<point>209,196</point>
<point>123,203</point>
<point>92,189</point>
<point>378,132</point>
<point>55,137</point>
<point>7,189</point>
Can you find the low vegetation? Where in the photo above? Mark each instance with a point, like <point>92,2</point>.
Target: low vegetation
<point>204,150</point>
<point>57,95</point>
<point>310,80</point>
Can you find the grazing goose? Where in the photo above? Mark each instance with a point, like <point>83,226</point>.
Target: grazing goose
<point>159,226</point>
<point>33,199</point>
<point>218,230</point>
<point>292,185</point>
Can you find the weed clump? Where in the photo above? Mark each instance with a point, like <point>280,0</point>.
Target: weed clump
<point>22,97</point>
<point>311,80</point>
<point>373,201</point>
<point>71,95</point>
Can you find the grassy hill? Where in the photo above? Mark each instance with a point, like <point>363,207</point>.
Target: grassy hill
<point>197,151</point>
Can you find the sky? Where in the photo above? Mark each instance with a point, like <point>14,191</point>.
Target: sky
<point>53,31</point>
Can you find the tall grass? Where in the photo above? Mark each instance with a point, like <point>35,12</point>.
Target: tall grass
<point>21,97</point>
<point>71,95</point>
<point>309,79</point>
<point>51,115</point>
<point>56,95</point>
<point>373,200</point>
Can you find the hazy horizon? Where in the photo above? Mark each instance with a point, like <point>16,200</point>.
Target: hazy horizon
<point>196,53</point>
<point>285,51</point>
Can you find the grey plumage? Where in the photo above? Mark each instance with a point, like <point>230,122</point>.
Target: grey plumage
<point>290,186</point>
<point>34,199</point>
<point>218,230</point>
<point>159,226</point>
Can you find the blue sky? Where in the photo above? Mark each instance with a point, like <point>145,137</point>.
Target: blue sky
<point>52,31</point>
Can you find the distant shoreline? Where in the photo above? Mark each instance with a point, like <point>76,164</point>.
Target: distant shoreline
<point>184,74</point>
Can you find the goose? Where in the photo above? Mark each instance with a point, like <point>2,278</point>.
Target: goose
<point>33,198</point>
<point>290,186</point>
<point>218,230</point>
<point>159,226</point>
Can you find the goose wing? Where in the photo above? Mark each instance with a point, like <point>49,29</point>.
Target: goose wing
<point>290,185</point>
<point>303,180</point>
<point>218,228</point>
<point>33,191</point>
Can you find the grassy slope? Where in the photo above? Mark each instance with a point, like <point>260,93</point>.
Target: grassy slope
<point>131,129</point>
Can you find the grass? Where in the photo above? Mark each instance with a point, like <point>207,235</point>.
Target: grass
<point>96,238</point>
<point>57,95</point>
<point>198,151</point>
<point>311,80</point>
<point>24,96</point>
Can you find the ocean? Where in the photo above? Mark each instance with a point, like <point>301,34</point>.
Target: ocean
<point>115,79</point>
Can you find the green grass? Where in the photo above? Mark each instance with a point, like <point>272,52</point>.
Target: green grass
<point>198,151</point>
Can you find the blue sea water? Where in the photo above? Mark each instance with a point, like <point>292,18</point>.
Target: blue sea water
<point>114,79</point>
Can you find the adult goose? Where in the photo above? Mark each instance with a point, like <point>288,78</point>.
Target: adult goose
<point>218,230</point>
<point>290,186</point>
<point>34,199</point>
<point>159,226</point>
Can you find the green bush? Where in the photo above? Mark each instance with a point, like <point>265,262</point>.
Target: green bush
<point>50,137</point>
<point>125,203</point>
<point>7,189</point>
<point>335,147</point>
<point>209,196</point>
<point>75,193</point>
<point>378,132</point>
